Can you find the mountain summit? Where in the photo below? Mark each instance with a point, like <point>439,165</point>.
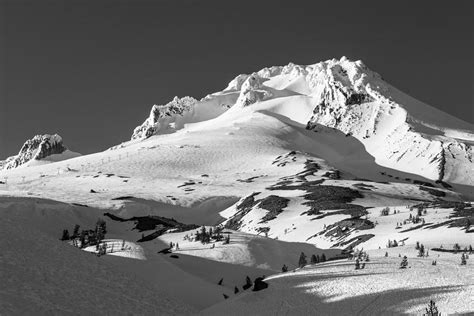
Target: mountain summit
<point>399,131</point>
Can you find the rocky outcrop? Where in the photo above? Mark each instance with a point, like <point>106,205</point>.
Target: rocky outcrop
<point>37,148</point>
<point>162,115</point>
<point>251,91</point>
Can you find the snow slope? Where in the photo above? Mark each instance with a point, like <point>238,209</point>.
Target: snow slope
<point>335,288</point>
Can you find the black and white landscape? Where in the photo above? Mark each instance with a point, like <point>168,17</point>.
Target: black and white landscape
<point>316,189</point>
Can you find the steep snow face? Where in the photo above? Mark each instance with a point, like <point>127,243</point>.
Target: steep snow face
<point>174,115</point>
<point>40,147</point>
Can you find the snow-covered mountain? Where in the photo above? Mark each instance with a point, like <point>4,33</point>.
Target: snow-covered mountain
<point>397,130</point>
<point>322,159</point>
<point>37,150</point>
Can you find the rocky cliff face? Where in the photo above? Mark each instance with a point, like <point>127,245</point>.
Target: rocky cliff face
<point>161,116</point>
<point>37,148</point>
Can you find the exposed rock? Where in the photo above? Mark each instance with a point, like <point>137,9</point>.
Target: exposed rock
<point>251,91</point>
<point>162,115</point>
<point>37,148</point>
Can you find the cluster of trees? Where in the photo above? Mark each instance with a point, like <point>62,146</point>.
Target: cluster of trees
<point>89,237</point>
<point>358,265</point>
<point>421,250</point>
<point>313,260</point>
<point>392,244</point>
<point>432,310</point>
<point>258,284</point>
<point>386,211</point>
<point>207,236</point>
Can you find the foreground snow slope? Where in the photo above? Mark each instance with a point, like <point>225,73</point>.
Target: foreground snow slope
<point>335,288</point>
<point>42,275</point>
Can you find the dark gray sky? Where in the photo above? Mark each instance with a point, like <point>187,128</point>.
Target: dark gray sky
<point>91,70</point>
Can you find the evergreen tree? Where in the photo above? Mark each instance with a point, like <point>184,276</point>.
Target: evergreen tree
<point>284,268</point>
<point>357,264</point>
<point>313,259</point>
<point>83,239</point>
<point>220,281</point>
<point>470,249</point>
<point>432,310</point>
<point>404,263</point>
<point>421,251</point>
<point>227,239</point>
<point>302,261</point>
<point>463,260</point>
<point>323,258</point>
<point>236,290</point>
<point>75,232</point>
<point>65,235</point>
<point>386,254</point>
<point>248,283</point>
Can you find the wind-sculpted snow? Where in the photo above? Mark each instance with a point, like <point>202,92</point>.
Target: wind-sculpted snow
<point>180,111</point>
<point>397,130</point>
<point>38,148</point>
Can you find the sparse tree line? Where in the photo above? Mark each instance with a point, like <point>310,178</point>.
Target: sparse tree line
<point>82,238</point>
<point>258,285</point>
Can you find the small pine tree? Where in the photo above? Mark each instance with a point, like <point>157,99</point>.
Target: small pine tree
<point>302,261</point>
<point>456,247</point>
<point>417,246</point>
<point>75,232</point>
<point>284,268</point>
<point>248,283</point>
<point>367,257</point>
<point>83,239</point>
<point>470,249</point>
<point>357,264</point>
<point>65,235</point>
<point>433,263</point>
<point>313,259</point>
<point>362,265</point>
<point>432,310</point>
<point>220,281</point>
<point>386,254</point>
<point>463,260</point>
<point>404,263</point>
<point>236,290</point>
<point>227,239</point>
<point>421,251</point>
<point>323,258</point>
